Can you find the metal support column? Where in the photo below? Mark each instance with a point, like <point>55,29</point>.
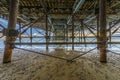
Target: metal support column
<point>31,35</point>
<point>79,33</point>
<point>11,25</point>
<point>82,31</point>
<point>98,30</point>
<point>67,38</point>
<point>103,33</point>
<point>53,38</point>
<point>20,33</point>
<point>64,34</point>
<point>73,32</point>
<point>47,37</point>
<point>110,34</point>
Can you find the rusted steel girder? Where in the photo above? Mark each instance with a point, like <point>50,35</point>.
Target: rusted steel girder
<point>103,33</point>
<point>11,26</point>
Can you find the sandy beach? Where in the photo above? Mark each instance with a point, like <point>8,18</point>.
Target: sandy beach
<point>31,66</point>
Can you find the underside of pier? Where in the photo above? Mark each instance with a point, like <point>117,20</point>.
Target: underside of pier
<point>81,32</point>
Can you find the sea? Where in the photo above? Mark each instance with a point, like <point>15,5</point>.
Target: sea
<point>78,47</point>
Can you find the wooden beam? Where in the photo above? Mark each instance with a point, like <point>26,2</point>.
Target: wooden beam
<point>11,25</point>
<point>103,33</point>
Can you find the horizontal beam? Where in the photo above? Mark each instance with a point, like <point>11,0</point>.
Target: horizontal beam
<point>55,43</point>
<point>61,36</point>
<point>41,7</point>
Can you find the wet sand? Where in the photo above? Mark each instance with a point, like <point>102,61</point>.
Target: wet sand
<point>31,66</point>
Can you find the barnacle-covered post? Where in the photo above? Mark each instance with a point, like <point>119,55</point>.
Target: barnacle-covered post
<point>11,32</point>
<point>103,33</point>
